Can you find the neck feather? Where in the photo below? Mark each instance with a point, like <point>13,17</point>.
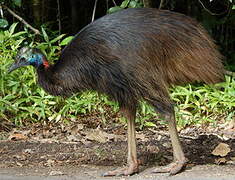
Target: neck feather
<point>47,80</point>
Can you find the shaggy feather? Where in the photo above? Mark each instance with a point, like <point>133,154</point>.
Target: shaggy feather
<point>135,54</point>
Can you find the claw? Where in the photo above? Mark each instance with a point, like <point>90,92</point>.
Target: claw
<point>173,168</point>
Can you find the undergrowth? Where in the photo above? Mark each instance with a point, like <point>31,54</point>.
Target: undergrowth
<point>22,100</point>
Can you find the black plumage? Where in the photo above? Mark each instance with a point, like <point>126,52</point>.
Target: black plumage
<point>136,54</point>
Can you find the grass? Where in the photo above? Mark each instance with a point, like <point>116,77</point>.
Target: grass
<point>21,100</point>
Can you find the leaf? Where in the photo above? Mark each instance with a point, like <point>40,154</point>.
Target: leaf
<point>3,23</point>
<point>57,38</point>
<point>56,173</point>
<point>133,4</point>
<point>99,136</point>
<point>2,37</point>
<point>96,135</point>
<point>12,28</point>
<point>17,2</point>
<point>17,137</point>
<point>18,34</point>
<point>45,36</point>
<point>220,161</point>
<point>66,40</point>
<point>125,3</point>
<point>221,150</point>
<point>57,119</point>
<point>114,9</point>
<point>233,7</point>
<point>50,163</point>
<point>150,124</point>
<point>141,136</point>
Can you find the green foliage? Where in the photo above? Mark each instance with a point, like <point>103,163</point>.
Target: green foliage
<point>66,40</point>
<point>17,2</point>
<point>14,3</point>
<point>126,4</point>
<point>22,100</point>
<point>49,47</point>
<point>3,23</point>
<point>205,104</point>
<point>20,97</point>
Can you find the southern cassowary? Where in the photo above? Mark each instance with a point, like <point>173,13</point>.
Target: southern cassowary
<point>132,55</point>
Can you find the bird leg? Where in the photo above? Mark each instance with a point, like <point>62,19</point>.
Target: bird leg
<point>132,162</point>
<point>179,159</point>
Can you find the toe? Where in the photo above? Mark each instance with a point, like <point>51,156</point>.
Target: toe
<point>177,168</point>
<point>122,172</point>
<point>173,168</point>
<point>164,169</point>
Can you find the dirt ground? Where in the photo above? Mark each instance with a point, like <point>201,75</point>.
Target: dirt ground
<point>150,152</point>
<point>80,152</point>
<point>90,172</point>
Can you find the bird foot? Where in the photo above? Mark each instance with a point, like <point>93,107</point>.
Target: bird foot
<point>173,168</point>
<point>128,170</point>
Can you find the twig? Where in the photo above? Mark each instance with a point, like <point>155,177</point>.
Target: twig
<point>214,14</point>
<point>107,5</point>
<point>58,16</point>
<point>1,11</point>
<point>21,20</point>
<point>115,4</point>
<point>161,4</point>
<point>94,9</point>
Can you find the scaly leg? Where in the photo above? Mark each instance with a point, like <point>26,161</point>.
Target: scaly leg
<point>132,162</point>
<point>179,159</point>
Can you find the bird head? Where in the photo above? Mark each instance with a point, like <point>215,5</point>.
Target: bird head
<point>29,56</point>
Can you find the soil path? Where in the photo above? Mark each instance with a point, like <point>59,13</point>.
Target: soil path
<point>88,154</point>
<point>200,172</point>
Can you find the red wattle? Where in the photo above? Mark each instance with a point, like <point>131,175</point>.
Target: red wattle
<point>46,64</point>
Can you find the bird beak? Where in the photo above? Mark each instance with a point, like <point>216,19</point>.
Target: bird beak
<point>17,65</point>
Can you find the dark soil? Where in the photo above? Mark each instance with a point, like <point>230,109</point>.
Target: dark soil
<point>151,152</point>
<point>83,142</point>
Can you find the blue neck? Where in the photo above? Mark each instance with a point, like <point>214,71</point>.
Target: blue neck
<point>36,60</point>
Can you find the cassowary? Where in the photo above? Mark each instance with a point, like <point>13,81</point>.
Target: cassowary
<point>132,55</point>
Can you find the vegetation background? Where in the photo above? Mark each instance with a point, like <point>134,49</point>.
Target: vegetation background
<point>50,25</point>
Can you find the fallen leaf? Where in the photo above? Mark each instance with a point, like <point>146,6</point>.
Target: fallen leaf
<point>141,136</point>
<point>220,161</point>
<point>97,135</point>
<point>21,157</point>
<point>73,138</point>
<point>56,173</point>
<point>76,129</point>
<point>50,163</point>
<point>17,137</point>
<point>57,119</point>
<point>221,150</point>
<point>29,151</point>
<point>19,164</point>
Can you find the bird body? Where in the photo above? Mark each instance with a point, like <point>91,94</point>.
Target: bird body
<point>131,55</point>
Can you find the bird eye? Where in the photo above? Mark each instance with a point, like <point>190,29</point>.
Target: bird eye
<point>22,59</point>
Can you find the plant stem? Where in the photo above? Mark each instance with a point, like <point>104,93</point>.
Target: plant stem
<point>93,14</point>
